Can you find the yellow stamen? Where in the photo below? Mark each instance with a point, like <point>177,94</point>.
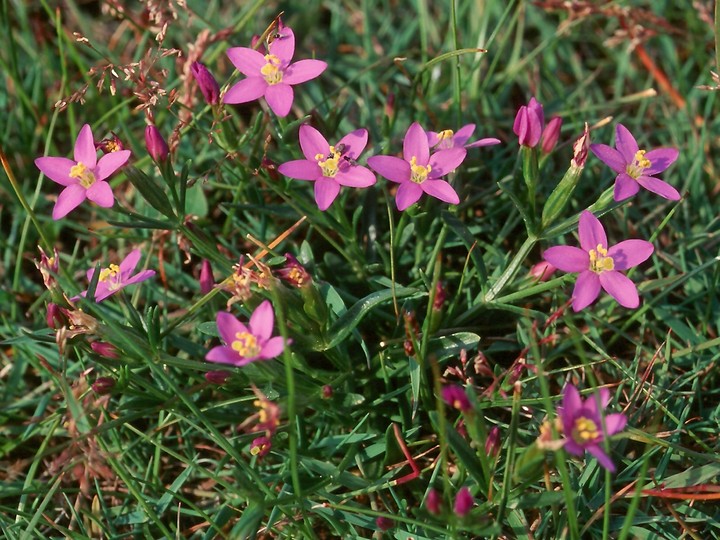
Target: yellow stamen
<point>110,272</point>
<point>418,173</point>
<point>246,345</point>
<point>330,163</point>
<point>639,164</point>
<point>599,260</point>
<point>445,134</point>
<point>82,173</point>
<point>585,431</point>
<point>271,71</point>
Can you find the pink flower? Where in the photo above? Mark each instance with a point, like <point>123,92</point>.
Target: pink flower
<point>635,167</point>
<point>419,172</point>
<point>433,501</point>
<point>271,75</point>
<point>463,502</point>
<point>329,166</point>
<point>528,125</point>
<point>585,426</point>
<point>447,139</point>
<point>456,397</point>
<point>599,264</point>
<point>84,176</point>
<point>116,277</point>
<point>245,344</point>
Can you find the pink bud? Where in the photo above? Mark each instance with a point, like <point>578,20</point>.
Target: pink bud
<point>54,318</point>
<point>440,297</point>
<point>103,385</point>
<point>327,391</point>
<point>542,271</point>
<point>384,524</point>
<point>456,397</point>
<point>206,82</point>
<point>433,502</point>
<point>105,349</point>
<point>463,502</point>
<point>217,377</point>
<point>155,144</point>
<point>550,135</point>
<point>580,148</point>
<point>207,282</point>
<point>492,443</point>
<point>528,125</point>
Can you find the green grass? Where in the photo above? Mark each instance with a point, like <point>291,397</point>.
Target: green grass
<point>167,454</point>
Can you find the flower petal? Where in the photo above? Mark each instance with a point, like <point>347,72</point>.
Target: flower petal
<point>101,194</point>
<point>301,169</point>
<point>591,232</point>
<point>312,143</point>
<point>446,161</point>
<point>326,190</point>
<point>660,187</point>
<point>224,355</point>
<point>630,253</point>
<point>248,61</point>
<point>621,288</point>
<point>625,143</point>
<point>139,277</point>
<point>610,157</point>
<point>597,401</point>
<point>391,167</point>
<point>57,169</point>
<point>85,152</point>
<point>571,401</point>
<point>280,98</point>
<point>602,457</point>
<point>109,163</point>
<point>614,423</point>
<point>407,194</point>
<point>69,199</point>
<point>355,176</point>
<point>246,90</point>
<point>440,189</point>
<point>273,347</point>
<point>625,187</point>
<point>283,46</point>
<point>574,448</point>
<point>262,320</point>
<point>303,71</point>
<point>587,288</point>
<point>354,143</point>
<point>660,159</point>
<point>567,258</point>
<point>487,141</point>
<point>415,145</point>
<point>228,326</point>
<point>462,135</point>
<point>128,264</point>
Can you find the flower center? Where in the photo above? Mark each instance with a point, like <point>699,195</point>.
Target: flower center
<point>246,345</point>
<point>330,163</point>
<point>599,260</point>
<point>271,71</point>
<point>639,164</point>
<point>445,138</point>
<point>82,173</point>
<point>111,274</point>
<point>418,173</point>
<point>585,431</point>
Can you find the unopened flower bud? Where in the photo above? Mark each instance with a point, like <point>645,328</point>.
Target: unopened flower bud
<point>463,502</point>
<point>294,273</point>
<point>105,349</point>
<point>440,297</point>
<point>409,348</point>
<point>217,377</point>
<point>528,125</point>
<point>103,385</point>
<point>207,282</point>
<point>550,135</point>
<point>54,317</point>
<point>327,391</point>
<point>542,271</point>
<point>492,443</point>
<point>456,397</point>
<point>433,502</point>
<point>206,82</point>
<point>155,144</point>
<point>384,524</point>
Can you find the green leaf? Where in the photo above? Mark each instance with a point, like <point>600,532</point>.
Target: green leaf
<point>150,190</point>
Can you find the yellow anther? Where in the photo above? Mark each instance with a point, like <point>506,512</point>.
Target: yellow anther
<point>246,345</point>
<point>599,260</point>
<point>418,173</point>
<point>330,163</point>
<point>585,430</point>
<point>639,164</point>
<point>445,134</point>
<point>82,173</point>
<point>110,272</point>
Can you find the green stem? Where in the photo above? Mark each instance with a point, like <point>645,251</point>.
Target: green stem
<point>512,269</point>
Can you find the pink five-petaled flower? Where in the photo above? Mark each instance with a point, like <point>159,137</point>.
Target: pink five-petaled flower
<point>635,167</point>
<point>419,172</point>
<point>116,277</point>
<point>245,344</point>
<point>84,176</point>
<point>271,75</point>
<point>330,166</point>
<point>449,139</point>
<point>585,426</point>
<point>599,264</point>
